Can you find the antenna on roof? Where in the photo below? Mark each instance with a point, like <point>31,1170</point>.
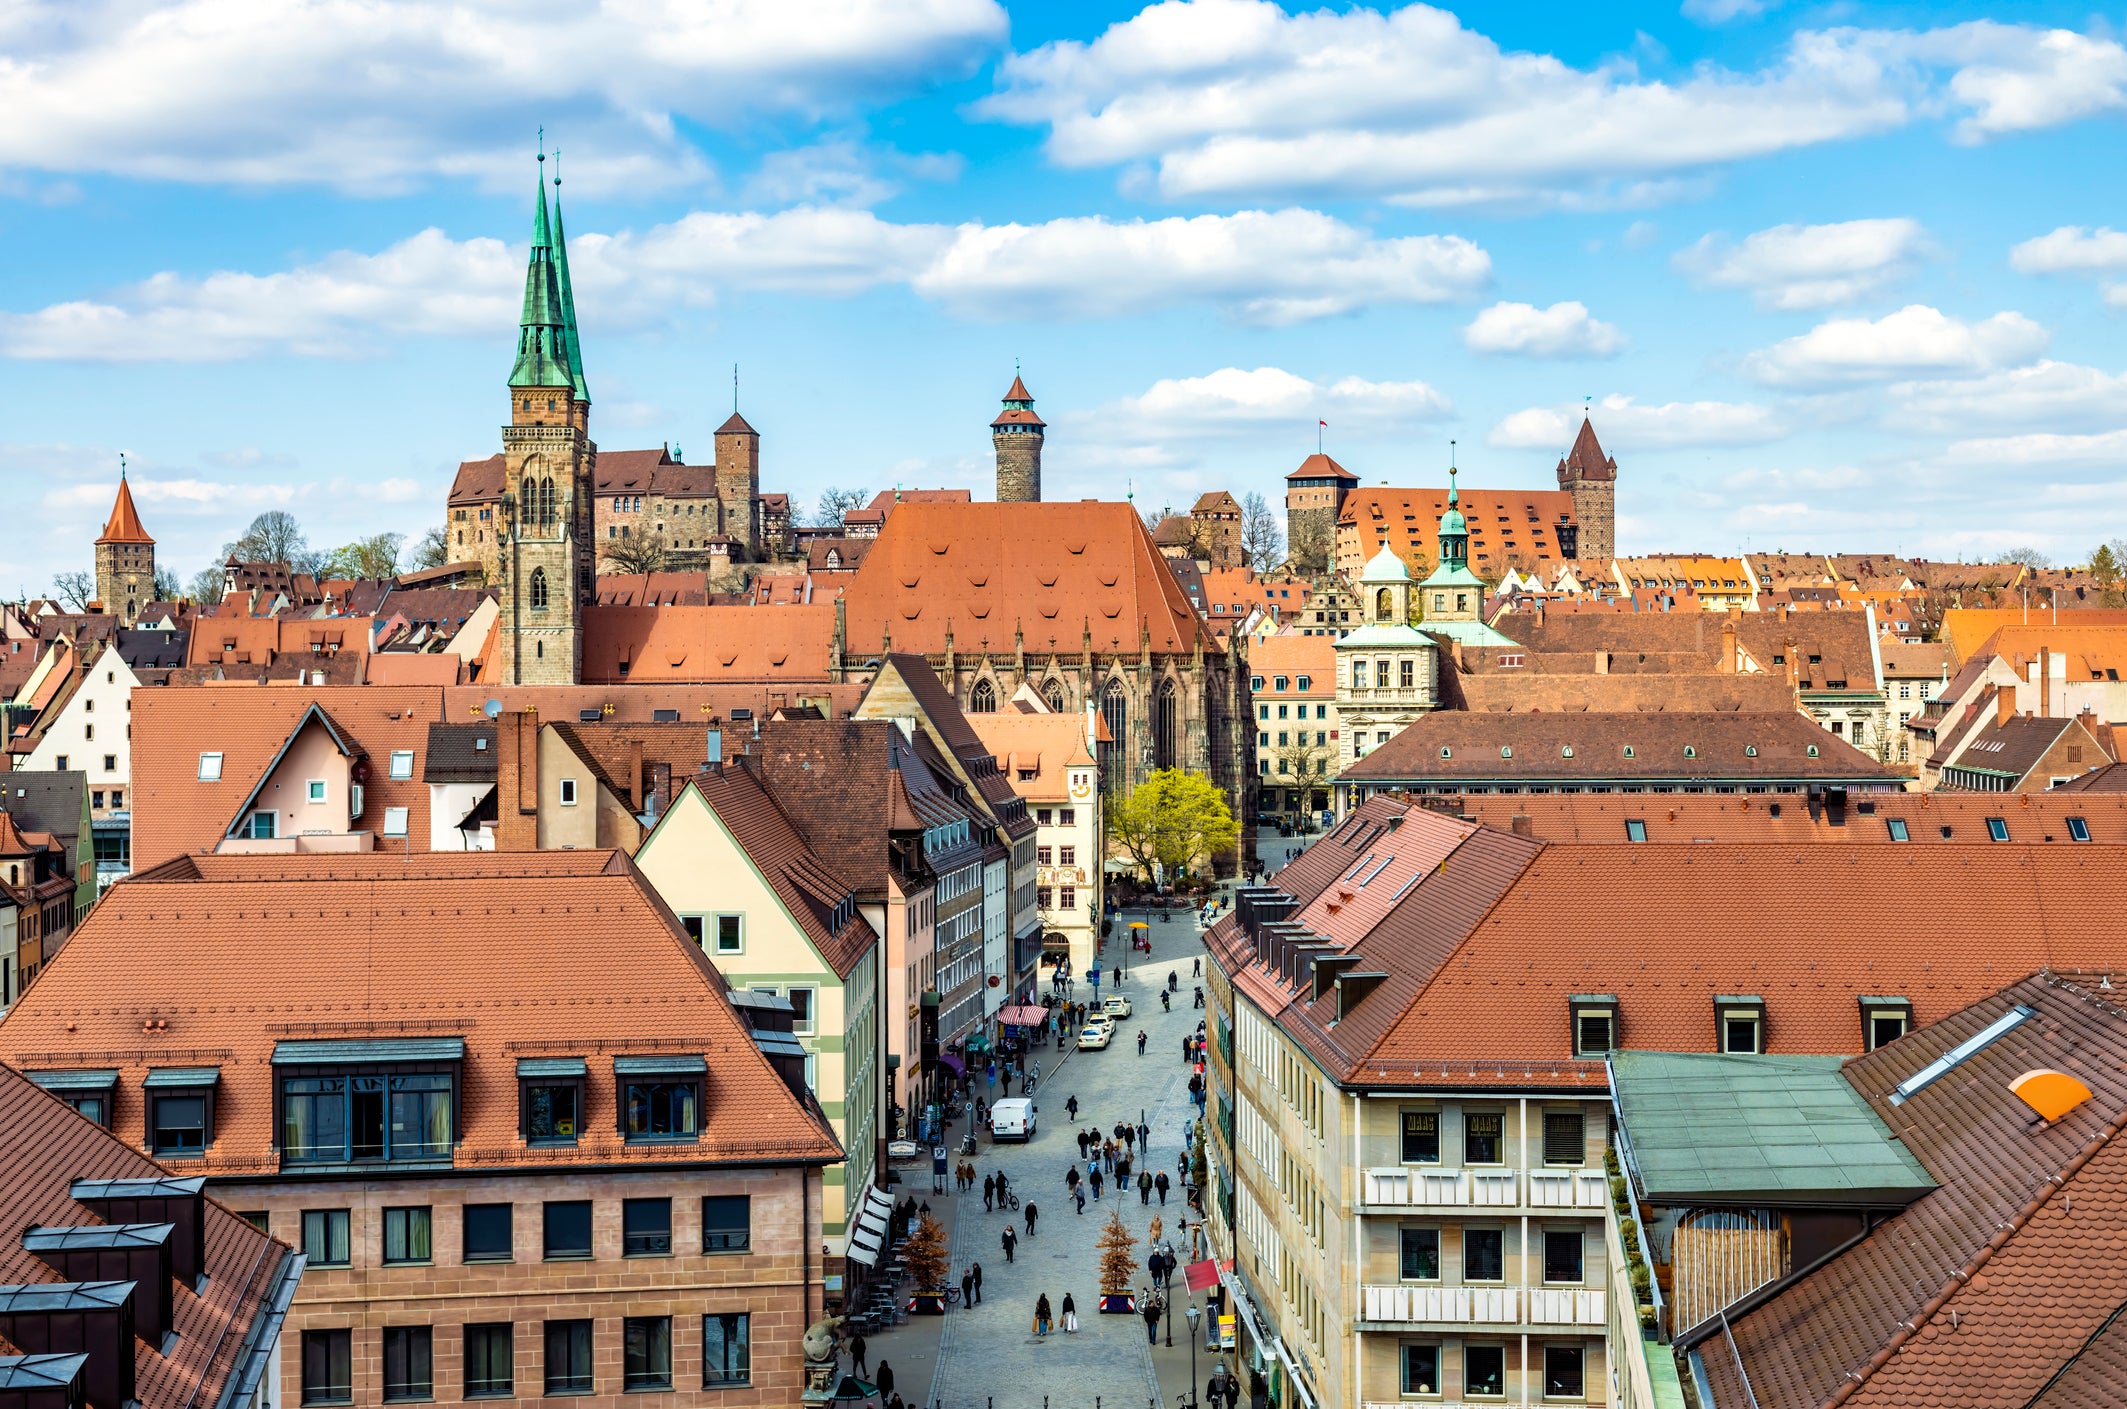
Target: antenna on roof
<point>734,388</point>
<point>121,464</point>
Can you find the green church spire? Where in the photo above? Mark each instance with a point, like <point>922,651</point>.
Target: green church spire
<point>542,335</point>
<point>568,294</point>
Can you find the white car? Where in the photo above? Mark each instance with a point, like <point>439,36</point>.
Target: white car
<point>1115,1006</point>
<point>1096,1035</point>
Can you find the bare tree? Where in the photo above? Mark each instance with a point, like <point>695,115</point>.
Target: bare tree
<point>74,589</point>
<point>206,585</point>
<point>167,586</point>
<point>431,550</point>
<point>1312,546</point>
<point>275,537</point>
<point>641,553</point>
<point>2024,557</point>
<point>835,505</point>
<point>1262,539</point>
<point>365,559</point>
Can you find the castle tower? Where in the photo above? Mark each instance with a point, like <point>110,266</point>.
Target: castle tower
<point>738,486</point>
<point>125,559</point>
<point>1314,497</point>
<point>1017,434</point>
<point>544,530</point>
<point>1591,478</point>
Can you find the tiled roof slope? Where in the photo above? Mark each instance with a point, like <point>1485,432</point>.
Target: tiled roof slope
<point>1967,629</point>
<point>478,480</point>
<point>2112,778</point>
<point>967,748</point>
<point>985,571</point>
<point>1508,692</point>
<point>47,1148</point>
<point>710,643</point>
<point>1705,817</point>
<point>847,783</point>
<point>1840,639</point>
<point>241,952</point>
<point>175,811</point>
<point>1536,747</point>
<point>2012,746</point>
<point>1045,744</point>
<point>1810,928</point>
<point>2006,1273</point>
<point>809,888</point>
<point>124,524</point>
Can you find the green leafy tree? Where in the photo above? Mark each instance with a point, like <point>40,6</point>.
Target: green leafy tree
<point>1171,820</point>
<point>2105,576</point>
<point>365,559</point>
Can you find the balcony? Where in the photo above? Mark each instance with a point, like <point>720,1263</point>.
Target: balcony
<point>1418,1187</point>
<point>1578,1188</point>
<point>1485,1306</point>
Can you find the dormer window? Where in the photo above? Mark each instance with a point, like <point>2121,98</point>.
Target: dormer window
<point>1506,750</point>
<point>1690,751</point>
<point>1740,1023</point>
<point>1446,752</point>
<point>1594,1024</point>
<point>1813,751</point>
<point>1884,1020</point>
<point>1628,751</point>
<point>1750,750</point>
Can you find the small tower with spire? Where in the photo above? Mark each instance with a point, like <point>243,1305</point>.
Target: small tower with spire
<point>738,481</point>
<point>545,546</point>
<point>1591,478</point>
<point>1017,434</point>
<point>125,558</point>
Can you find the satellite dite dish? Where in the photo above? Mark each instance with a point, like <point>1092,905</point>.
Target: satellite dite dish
<point>492,708</point>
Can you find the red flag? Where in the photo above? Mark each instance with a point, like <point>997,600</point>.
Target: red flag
<point>1321,423</point>
<point>1199,1275</point>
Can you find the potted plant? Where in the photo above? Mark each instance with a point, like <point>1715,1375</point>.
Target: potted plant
<point>925,1254</point>
<point>1118,1268</point>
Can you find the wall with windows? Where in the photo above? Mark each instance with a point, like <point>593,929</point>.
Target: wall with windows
<point>93,734</point>
<point>598,1285</point>
<point>573,810</point>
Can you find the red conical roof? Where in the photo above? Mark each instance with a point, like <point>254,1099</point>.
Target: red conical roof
<point>124,526</point>
<point>1019,391</point>
<point>1586,459</point>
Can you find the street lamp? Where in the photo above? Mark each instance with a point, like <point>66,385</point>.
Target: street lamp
<point>1194,1316</point>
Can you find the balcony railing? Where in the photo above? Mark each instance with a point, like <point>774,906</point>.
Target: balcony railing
<point>1413,1187</point>
<point>1579,1188</point>
<point>1508,1306</point>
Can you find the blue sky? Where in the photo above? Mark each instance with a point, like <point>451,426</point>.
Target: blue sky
<point>1834,276</point>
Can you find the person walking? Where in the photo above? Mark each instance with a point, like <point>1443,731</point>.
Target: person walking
<point>1152,1320</point>
<point>1141,1042</point>
<point>1071,1107</point>
<point>1080,1195</point>
<point>1095,1181</point>
<point>885,1380</point>
<point>989,1194</point>
<point>975,1270</point>
<point>967,1290</point>
<point>1144,1135</point>
<point>1162,1184</point>
<point>1011,1240</point>
<point>1196,967</point>
<point>1199,998</point>
<point>857,1353</point>
<point>1070,1315</point>
<point>1032,1212</point>
<point>1000,1188</point>
<point>1071,1180</point>
<point>1174,983</point>
<point>1186,1046</point>
<point>1082,1137</point>
<point>1041,1315</point>
<point>1129,1137</point>
<point>1144,1187</point>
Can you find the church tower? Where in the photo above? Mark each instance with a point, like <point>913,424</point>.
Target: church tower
<point>125,560</point>
<point>1017,434</point>
<point>1591,478</point>
<point>738,486</point>
<point>548,467</point>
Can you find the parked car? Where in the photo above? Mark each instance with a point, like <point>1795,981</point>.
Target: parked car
<point>1115,1006</point>
<point>1096,1035</point>
<point>1012,1119</point>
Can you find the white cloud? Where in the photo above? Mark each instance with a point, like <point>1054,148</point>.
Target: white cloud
<point>1237,98</point>
<point>2105,448</point>
<point>377,94</point>
<point>1562,330</point>
<point>1723,11</point>
<point>1269,267</point>
<point>1272,267</point>
<point>1808,266</point>
<point>2056,395</point>
<point>1623,424</point>
<point>1914,341</point>
<point>843,171</point>
<point>1239,401</point>
<point>2072,249</point>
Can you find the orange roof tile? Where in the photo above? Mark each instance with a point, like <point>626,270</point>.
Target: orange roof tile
<point>1046,744</point>
<point>244,952</point>
<point>124,523</point>
<point>647,645</point>
<point>986,571</point>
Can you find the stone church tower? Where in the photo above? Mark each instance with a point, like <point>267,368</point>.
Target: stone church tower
<point>549,463</point>
<point>125,560</point>
<point>1591,478</point>
<point>1017,434</point>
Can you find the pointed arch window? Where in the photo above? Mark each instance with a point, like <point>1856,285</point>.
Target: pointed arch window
<point>1115,713</point>
<point>982,699</point>
<point>539,589</point>
<point>1053,692</point>
<point>1166,725</point>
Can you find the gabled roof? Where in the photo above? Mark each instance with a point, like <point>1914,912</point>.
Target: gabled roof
<point>1447,745</point>
<point>1320,466</point>
<point>809,888</point>
<point>208,935</point>
<point>736,425</point>
<point>986,571</point>
<point>636,645</point>
<point>124,524</point>
<point>847,784</point>
<point>2001,1290</point>
<point>1930,819</point>
<point>342,742</point>
<point>479,480</point>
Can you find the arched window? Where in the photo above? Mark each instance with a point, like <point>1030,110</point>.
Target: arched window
<point>982,699</point>
<point>1166,725</point>
<point>546,503</point>
<point>1115,713</point>
<point>1053,692</point>
<point>539,589</point>
<point>1384,602</point>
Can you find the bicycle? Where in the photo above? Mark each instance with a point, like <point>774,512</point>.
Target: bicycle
<point>952,1296</point>
<point>1011,1199</point>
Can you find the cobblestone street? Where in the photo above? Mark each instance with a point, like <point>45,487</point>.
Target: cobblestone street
<point>988,1357</point>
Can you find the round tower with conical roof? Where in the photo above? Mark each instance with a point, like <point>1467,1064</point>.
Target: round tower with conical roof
<point>1017,434</point>
<point>125,559</point>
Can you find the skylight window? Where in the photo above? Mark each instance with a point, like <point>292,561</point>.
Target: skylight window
<point>1897,828</point>
<point>1998,828</point>
<point>1635,829</point>
<point>1963,1052</point>
<point>1376,871</point>
<point>210,768</point>
<point>2078,829</point>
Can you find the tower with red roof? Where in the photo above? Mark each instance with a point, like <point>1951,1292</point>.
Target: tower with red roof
<point>1591,478</point>
<point>1017,434</point>
<point>125,559</point>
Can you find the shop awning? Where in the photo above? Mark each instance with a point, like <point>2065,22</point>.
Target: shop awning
<point>952,1063</point>
<point>1023,1014</point>
<point>868,1229</point>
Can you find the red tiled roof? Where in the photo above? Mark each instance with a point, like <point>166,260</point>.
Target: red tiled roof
<point>809,888</point>
<point>985,571</point>
<point>1592,747</point>
<point>478,480</point>
<point>706,644</point>
<point>124,523</point>
<point>1319,466</point>
<point>1863,821</point>
<point>1586,458</point>
<point>246,951</point>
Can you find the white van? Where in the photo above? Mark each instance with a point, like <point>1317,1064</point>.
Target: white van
<point>1012,1119</point>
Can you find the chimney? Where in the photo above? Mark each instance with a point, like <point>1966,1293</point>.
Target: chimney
<point>1728,645</point>
<point>1602,662</point>
<point>2004,706</point>
<point>2045,682</point>
<point>1523,826</point>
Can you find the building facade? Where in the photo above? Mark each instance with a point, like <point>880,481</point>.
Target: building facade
<point>1293,681</point>
<point>1387,669</point>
